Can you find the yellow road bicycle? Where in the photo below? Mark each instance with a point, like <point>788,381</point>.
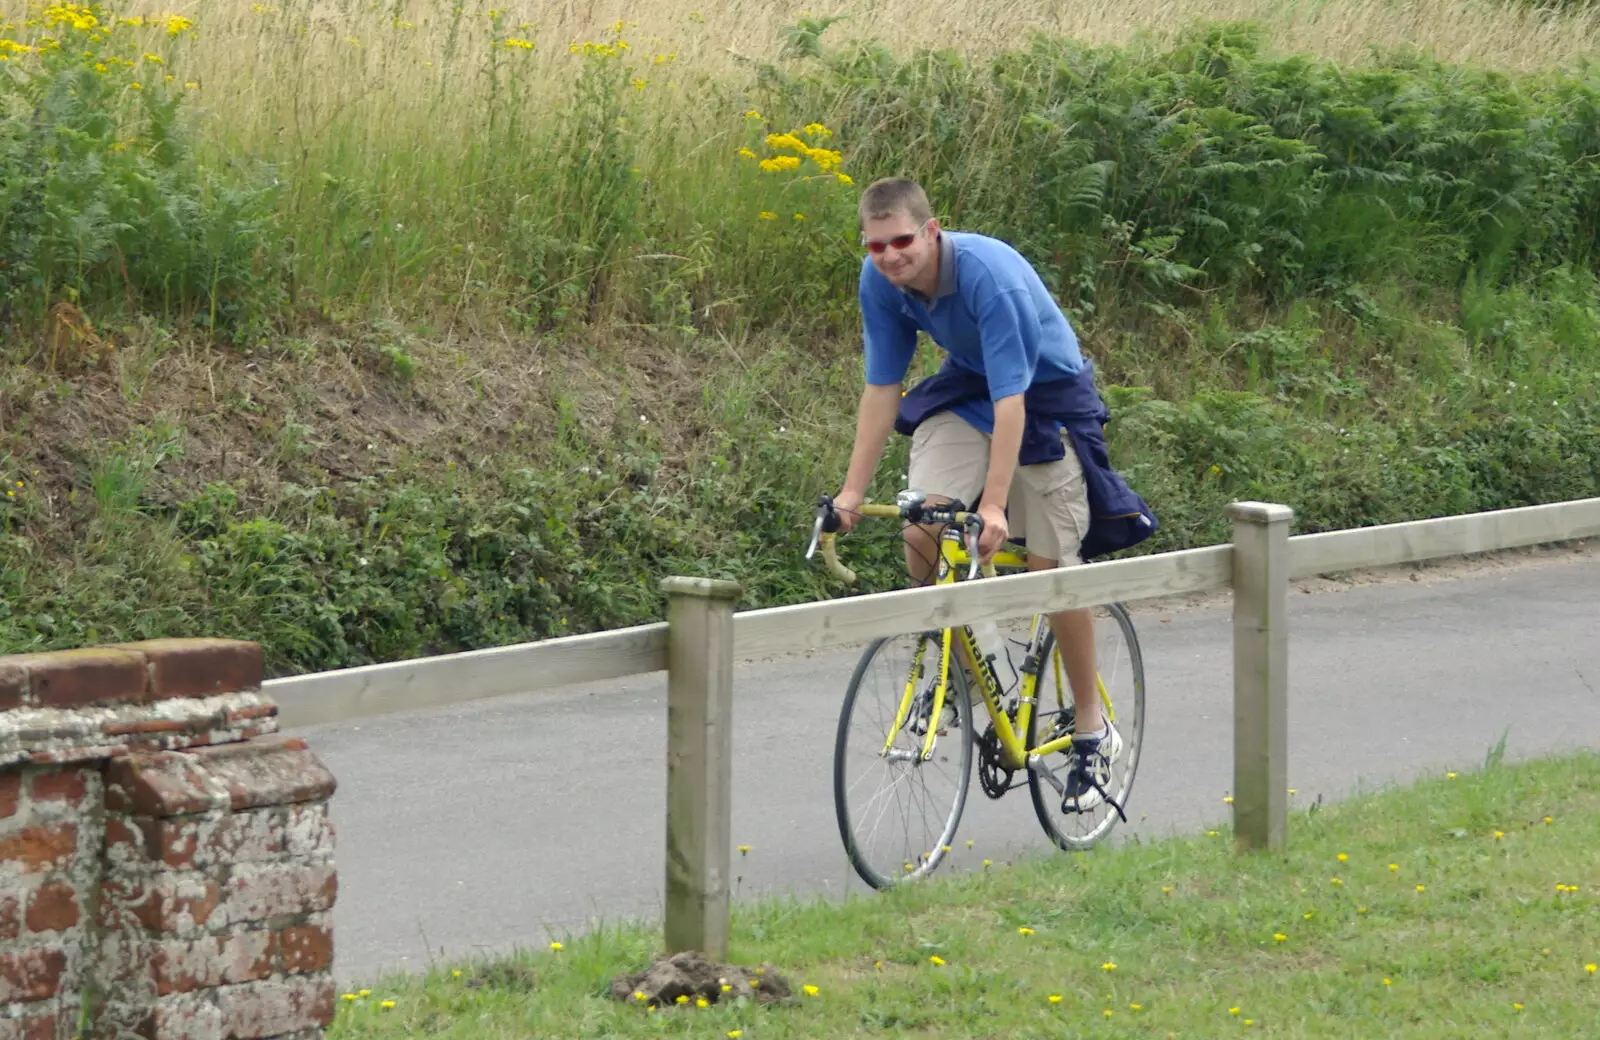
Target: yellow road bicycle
<point>903,758</point>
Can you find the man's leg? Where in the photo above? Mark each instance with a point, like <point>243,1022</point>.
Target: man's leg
<point>1055,509</point>
<point>1074,632</point>
<point>949,459</point>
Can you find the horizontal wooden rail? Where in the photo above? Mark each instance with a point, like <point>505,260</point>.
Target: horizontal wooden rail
<point>429,682</point>
<point>840,622</point>
<point>1419,540</point>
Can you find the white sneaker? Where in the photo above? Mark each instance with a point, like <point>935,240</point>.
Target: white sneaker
<point>1091,767</point>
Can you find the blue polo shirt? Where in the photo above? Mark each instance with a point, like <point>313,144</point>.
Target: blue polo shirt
<point>991,313</point>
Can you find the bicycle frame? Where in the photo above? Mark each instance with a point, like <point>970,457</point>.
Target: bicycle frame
<point>1014,754</point>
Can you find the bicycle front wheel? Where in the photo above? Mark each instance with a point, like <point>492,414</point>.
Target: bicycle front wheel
<point>1121,674</point>
<point>897,812</point>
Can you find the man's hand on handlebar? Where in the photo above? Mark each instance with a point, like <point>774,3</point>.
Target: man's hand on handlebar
<point>847,504</point>
<point>995,531</point>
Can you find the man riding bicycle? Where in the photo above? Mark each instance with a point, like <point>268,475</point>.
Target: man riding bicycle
<point>1012,421</point>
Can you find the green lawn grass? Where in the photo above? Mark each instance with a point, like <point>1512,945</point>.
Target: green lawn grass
<point>1467,905</point>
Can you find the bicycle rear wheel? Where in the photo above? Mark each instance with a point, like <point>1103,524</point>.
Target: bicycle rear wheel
<point>897,813</point>
<point>1121,669</point>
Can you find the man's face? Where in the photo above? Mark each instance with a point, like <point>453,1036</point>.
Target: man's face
<point>902,250</point>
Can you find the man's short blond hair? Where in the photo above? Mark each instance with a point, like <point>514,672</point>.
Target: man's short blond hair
<point>892,196</point>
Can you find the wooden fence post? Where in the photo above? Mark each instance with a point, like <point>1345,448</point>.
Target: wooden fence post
<point>1260,674</point>
<point>699,762</point>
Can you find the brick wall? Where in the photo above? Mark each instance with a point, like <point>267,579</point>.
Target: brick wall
<point>166,860</point>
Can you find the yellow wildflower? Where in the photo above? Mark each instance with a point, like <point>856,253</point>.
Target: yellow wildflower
<point>818,130</point>
<point>640,84</point>
<point>787,141</point>
<point>1233,1011</point>
<point>1108,966</point>
<point>387,1005</point>
<point>843,178</point>
<point>1343,857</point>
<point>682,999</point>
<point>769,215</point>
<point>1024,931</point>
<point>936,960</point>
<point>799,216</point>
<point>1591,968</point>
<point>1279,937</point>
<point>177,25</point>
<point>154,59</point>
<point>752,114</point>
<point>780,163</point>
<point>519,44</point>
<point>135,86</point>
<point>810,991</point>
<point>1135,1007</point>
<point>556,947</point>
<point>1108,1012</point>
<point>349,996</point>
<point>1055,998</point>
<point>701,1002</point>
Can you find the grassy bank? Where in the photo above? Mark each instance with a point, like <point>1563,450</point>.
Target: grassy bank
<point>1465,905</point>
<point>272,371</point>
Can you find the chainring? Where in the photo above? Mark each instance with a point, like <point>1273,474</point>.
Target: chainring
<point>994,778</point>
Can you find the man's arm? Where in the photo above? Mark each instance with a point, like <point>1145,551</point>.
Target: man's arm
<point>874,422</point>
<point>1004,447</point>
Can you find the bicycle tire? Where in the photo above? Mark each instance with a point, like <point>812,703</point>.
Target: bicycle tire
<point>912,861</point>
<point>1046,799</point>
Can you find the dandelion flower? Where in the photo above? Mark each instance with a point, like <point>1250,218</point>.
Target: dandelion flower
<point>1211,834</point>
<point>752,114</point>
<point>735,1033</point>
<point>1108,966</point>
<point>1452,776</point>
<point>1233,1011</point>
<point>1055,998</point>
<point>455,974</point>
<point>1135,1007</point>
<point>1549,819</point>
<point>810,991</point>
<point>726,988</point>
<point>744,850</point>
<point>969,844</point>
<point>1344,857</point>
<point>1591,968</point>
<point>799,216</point>
<point>1279,937</point>
<point>1422,888</point>
<point>1024,930</point>
<point>638,994</point>
<point>350,996</point>
<point>936,960</point>
<point>365,992</point>
<point>683,999</point>
<point>1108,1012</point>
<point>1308,915</point>
<point>1335,881</point>
<point>1227,799</point>
<point>1394,866</point>
<point>987,862</point>
<point>556,947</point>
<point>701,1002</point>
<point>387,1005</point>
<point>1499,834</point>
<point>769,215</point>
<point>1166,890</point>
<point>1388,982</point>
<point>1516,1007</point>
<point>1361,909</point>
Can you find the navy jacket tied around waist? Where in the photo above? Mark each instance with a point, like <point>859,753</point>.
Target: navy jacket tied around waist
<point>1118,517</point>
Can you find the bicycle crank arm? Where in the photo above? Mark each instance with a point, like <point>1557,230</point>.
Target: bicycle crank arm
<point>1037,764</point>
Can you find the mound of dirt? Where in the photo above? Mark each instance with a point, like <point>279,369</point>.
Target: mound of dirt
<point>684,978</point>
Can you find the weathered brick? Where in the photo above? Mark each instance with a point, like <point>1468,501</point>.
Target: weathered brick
<point>10,917</point>
<point>126,840</point>
<point>199,667</point>
<point>256,892</point>
<point>53,908</point>
<point>161,783</point>
<point>183,965</point>
<point>67,785</point>
<point>309,831</point>
<point>31,975</point>
<point>258,711</point>
<point>39,847</point>
<point>139,729</point>
<point>274,1007</point>
<point>306,948</point>
<point>182,1017</point>
<point>73,678</point>
<point>35,1027</point>
<point>270,771</point>
<point>169,905</point>
<point>13,684</point>
<point>10,794</point>
<point>216,839</point>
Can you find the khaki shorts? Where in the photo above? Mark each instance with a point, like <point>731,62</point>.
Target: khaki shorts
<point>1048,504</point>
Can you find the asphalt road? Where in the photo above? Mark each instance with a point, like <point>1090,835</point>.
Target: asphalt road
<point>511,821</point>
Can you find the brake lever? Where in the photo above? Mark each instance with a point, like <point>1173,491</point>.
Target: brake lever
<point>974,530</point>
<point>827,522</point>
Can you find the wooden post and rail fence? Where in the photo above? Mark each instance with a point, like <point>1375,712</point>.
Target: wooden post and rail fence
<point>703,635</point>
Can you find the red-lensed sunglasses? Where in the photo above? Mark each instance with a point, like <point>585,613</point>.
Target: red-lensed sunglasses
<point>900,242</point>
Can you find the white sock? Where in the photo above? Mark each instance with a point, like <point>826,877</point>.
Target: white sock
<point>1104,731</point>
